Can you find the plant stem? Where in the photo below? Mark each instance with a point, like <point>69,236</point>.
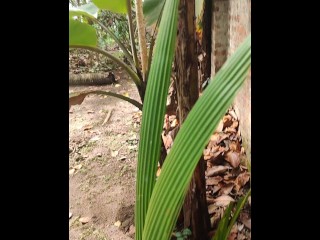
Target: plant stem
<point>142,37</point>
<point>133,45</point>
<point>130,72</point>
<point>130,100</point>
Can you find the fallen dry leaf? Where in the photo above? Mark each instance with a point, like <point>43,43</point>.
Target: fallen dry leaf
<point>223,200</point>
<point>245,219</point>
<point>174,123</point>
<point>206,152</point>
<point>233,232</point>
<point>215,149</point>
<point>213,180</point>
<point>215,170</point>
<point>220,126</point>
<point>241,180</point>
<point>227,121</point>
<point>71,171</point>
<point>240,227</point>
<point>235,124</point>
<point>213,156</point>
<point>212,208</point>
<point>78,166</point>
<point>233,114</point>
<point>84,220</point>
<point>76,100</point>
<point>117,223</point>
<point>233,158</point>
<point>226,189</point>
<point>230,130</point>
<point>216,189</point>
<point>114,153</point>
<point>216,217</point>
<point>234,146</point>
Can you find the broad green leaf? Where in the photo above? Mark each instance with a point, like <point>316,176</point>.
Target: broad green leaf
<point>153,112</point>
<point>117,6</point>
<point>152,10</point>
<point>81,34</point>
<point>172,185</point>
<point>89,10</point>
<point>78,97</point>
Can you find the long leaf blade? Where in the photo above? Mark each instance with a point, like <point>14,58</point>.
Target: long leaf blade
<point>152,10</point>
<point>78,97</point>
<point>171,187</point>
<point>153,112</point>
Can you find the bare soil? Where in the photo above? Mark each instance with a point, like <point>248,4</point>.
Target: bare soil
<point>102,161</point>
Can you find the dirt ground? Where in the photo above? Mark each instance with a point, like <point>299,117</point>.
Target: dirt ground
<point>102,163</point>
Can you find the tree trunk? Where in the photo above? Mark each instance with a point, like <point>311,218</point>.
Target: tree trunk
<point>195,210</point>
<point>204,44</point>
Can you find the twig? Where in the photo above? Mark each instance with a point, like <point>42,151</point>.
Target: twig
<point>107,117</point>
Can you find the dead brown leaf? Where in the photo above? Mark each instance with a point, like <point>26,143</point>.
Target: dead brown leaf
<point>212,208</point>
<point>230,130</point>
<point>216,217</point>
<point>233,233</point>
<point>226,189</point>
<point>76,100</point>
<point>213,156</point>
<point>235,124</point>
<point>84,220</point>
<point>215,137</point>
<point>233,114</point>
<point>216,189</point>
<point>223,200</point>
<point>233,158</point>
<point>220,126</point>
<point>241,180</point>
<point>213,180</point>
<point>215,170</point>
<point>245,219</point>
<point>234,146</point>
<point>227,121</point>
<point>206,152</point>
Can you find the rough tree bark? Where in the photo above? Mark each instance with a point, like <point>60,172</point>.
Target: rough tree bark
<point>195,211</point>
